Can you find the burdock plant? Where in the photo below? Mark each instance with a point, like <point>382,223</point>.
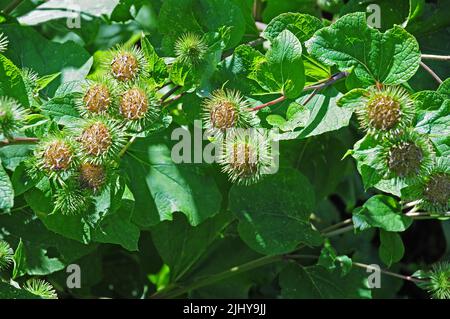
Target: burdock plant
<point>137,107</point>
<point>245,155</point>
<point>225,110</point>
<point>386,111</point>
<point>3,42</point>
<point>98,97</point>
<point>71,199</point>
<point>55,156</point>
<point>127,64</point>
<point>6,255</point>
<point>92,176</point>
<point>12,116</point>
<point>436,281</point>
<point>406,157</point>
<point>100,139</point>
<point>40,288</point>
<point>190,48</point>
<point>432,191</point>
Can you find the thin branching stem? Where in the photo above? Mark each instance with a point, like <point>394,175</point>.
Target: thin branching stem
<point>169,93</point>
<point>431,72</point>
<point>315,87</point>
<point>127,146</point>
<point>389,273</point>
<point>19,140</point>
<point>277,100</point>
<point>436,57</point>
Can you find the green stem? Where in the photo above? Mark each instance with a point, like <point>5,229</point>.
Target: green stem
<point>365,266</point>
<point>10,7</point>
<point>337,225</point>
<point>127,146</point>
<point>339,231</point>
<point>180,290</point>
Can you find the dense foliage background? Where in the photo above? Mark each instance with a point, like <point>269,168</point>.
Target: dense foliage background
<point>170,230</point>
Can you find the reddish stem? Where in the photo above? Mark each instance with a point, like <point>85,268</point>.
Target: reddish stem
<point>175,98</point>
<point>277,100</point>
<point>19,140</point>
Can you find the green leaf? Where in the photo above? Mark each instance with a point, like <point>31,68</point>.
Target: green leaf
<point>321,115</point>
<point>325,115</point>
<point>199,16</point>
<point>436,122</point>
<point>383,212</point>
<point>45,80</point>
<point>12,155</point>
<point>6,191</point>
<point>156,66</point>
<point>274,213</point>
<point>175,18</point>
<point>20,261</point>
<point>118,228</point>
<point>390,58</point>
<point>62,109</point>
<point>301,25</point>
<point>229,253</point>
<point>45,251</point>
<point>103,221</point>
<point>10,292</point>
<point>328,168</point>
<point>277,7</point>
<point>444,88</point>
<point>299,282</point>
<point>56,9</point>
<point>11,82</point>
<point>181,245</point>
<point>391,248</point>
<point>161,187</point>
<point>369,166</point>
<point>352,100</point>
<point>21,180</point>
<point>215,14</point>
<point>330,260</point>
<point>180,74</point>
<point>35,52</point>
<point>283,71</point>
<point>392,12</point>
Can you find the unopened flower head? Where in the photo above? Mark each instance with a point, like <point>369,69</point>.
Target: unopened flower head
<point>100,139</point>
<point>137,107</point>
<point>246,155</point>
<point>98,97</point>
<point>439,281</point>
<point>30,79</point>
<point>386,112</point>
<point>406,157</point>
<point>127,64</point>
<point>3,42</point>
<point>434,189</point>
<point>71,199</point>
<point>225,110</point>
<point>190,48</point>
<point>40,288</point>
<point>55,156</point>
<point>92,176</point>
<point>6,255</point>
<point>12,116</point>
